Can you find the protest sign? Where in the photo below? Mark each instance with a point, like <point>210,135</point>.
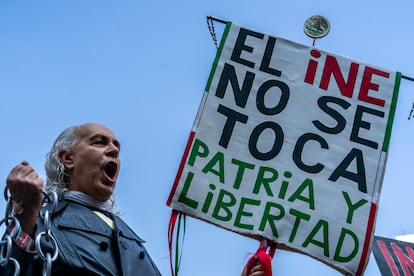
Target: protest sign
<point>289,144</point>
<point>394,257</point>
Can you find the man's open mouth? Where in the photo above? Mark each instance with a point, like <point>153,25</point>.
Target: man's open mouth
<point>110,170</point>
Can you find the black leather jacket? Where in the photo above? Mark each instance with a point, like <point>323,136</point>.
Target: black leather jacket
<point>88,246</point>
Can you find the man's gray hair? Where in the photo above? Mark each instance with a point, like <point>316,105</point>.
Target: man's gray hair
<point>55,170</point>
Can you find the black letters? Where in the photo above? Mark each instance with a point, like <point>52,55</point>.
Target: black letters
<point>359,176</point>
<point>229,75</point>
<point>297,152</point>
<point>277,145</point>
<point>284,97</point>
<point>359,123</point>
<point>240,46</point>
<point>232,117</point>
<point>341,122</point>
<point>264,66</point>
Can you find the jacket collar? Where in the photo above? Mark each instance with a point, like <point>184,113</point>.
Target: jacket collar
<point>81,217</point>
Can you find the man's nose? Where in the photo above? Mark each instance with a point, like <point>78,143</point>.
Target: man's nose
<point>112,151</point>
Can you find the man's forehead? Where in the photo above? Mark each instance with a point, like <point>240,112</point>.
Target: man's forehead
<point>92,129</point>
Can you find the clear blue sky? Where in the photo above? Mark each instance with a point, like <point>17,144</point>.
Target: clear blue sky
<point>140,67</point>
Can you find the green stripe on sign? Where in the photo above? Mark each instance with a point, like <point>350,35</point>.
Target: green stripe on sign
<point>393,107</point>
<point>218,54</point>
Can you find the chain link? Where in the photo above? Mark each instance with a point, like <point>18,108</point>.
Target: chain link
<point>46,245</point>
<point>6,241</point>
<point>210,25</point>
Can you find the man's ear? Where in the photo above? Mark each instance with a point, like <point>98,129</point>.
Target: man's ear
<point>65,157</point>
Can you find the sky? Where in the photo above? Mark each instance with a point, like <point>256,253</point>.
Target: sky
<point>140,67</point>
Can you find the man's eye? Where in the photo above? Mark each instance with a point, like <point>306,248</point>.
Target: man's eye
<point>99,142</point>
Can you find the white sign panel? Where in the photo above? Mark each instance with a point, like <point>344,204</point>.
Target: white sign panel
<point>290,144</point>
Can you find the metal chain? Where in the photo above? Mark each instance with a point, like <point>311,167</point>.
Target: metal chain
<point>210,25</point>
<point>47,253</point>
<point>6,241</point>
<point>46,245</point>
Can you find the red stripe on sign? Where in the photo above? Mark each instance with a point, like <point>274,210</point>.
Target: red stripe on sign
<point>180,169</point>
<point>368,236</point>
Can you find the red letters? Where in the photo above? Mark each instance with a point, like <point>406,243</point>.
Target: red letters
<point>367,85</point>
<point>384,250</point>
<point>405,261</point>
<point>346,87</point>
<point>332,68</point>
